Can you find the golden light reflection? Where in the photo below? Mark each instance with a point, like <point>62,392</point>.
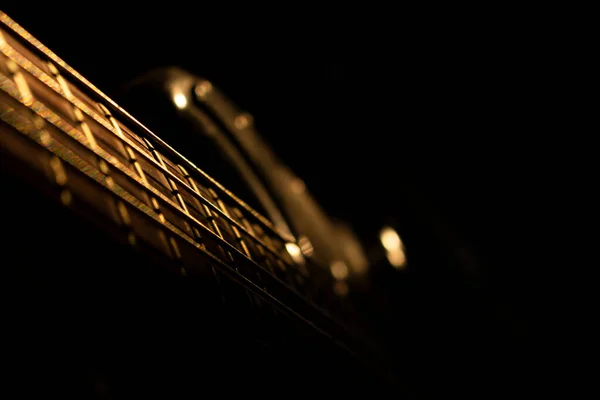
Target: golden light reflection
<point>390,238</point>
<point>180,100</point>
<point>394,247</point>
<point>294,250</point>
<point>339,270</point>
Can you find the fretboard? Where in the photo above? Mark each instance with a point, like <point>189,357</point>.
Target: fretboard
<point>89,151</point>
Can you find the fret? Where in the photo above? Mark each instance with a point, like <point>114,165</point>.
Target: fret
<point>155,178</point>
<point>64,86</point>
<point>235,233</point>
<point>21,82</point>
<point>136,165</point>
<point>172,184</point>
<point>135,141</point>
<point>172,216</point>
<point>200,188</point>
<point>111,143</point>
<point>111,119</point>
<point>85,128</point>
<point>194,206</point>
<point>173,169</point>
<point>157,209</point>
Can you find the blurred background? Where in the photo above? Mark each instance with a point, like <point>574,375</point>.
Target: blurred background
<point>412,119</point>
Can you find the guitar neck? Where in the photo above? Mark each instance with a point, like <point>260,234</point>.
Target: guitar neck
<point>89,152</point>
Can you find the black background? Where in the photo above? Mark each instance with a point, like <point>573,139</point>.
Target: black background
<point>419,118</point>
